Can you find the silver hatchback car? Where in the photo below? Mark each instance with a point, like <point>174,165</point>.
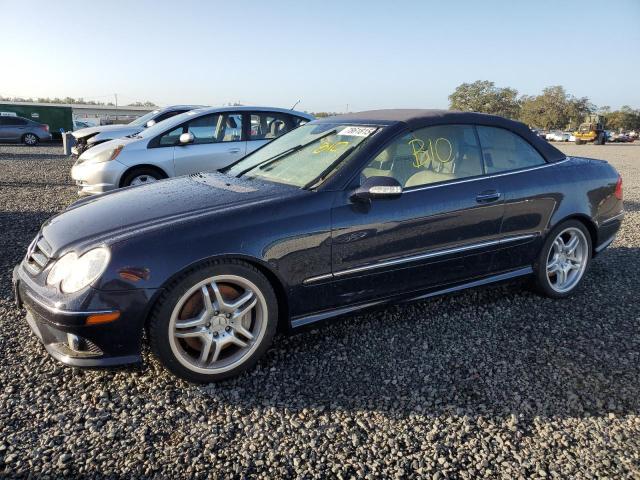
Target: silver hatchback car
<point>201,140</point>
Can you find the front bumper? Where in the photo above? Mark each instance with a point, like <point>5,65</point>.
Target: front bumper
<point>96,178</point>
<point>63,331</point>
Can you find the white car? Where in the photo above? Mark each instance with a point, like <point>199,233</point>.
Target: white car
<point>558,136</point>
<point>201,140</point>
<point>93,135</point>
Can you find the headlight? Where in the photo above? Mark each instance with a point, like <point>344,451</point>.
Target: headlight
<point>105,156</point>
<point>73,273</point>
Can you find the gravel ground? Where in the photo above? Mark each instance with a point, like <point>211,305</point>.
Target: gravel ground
<point>496,383</point>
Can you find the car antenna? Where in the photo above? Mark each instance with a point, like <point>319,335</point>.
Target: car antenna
<point>294,105</point>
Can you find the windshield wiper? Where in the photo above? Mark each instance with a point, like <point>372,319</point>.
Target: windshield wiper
<point>265,163</point>
<point>325,173</point>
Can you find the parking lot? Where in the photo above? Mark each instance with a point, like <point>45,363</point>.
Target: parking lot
<point>496,382</point>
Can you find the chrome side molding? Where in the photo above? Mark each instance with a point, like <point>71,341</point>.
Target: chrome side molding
<point>421,256</point>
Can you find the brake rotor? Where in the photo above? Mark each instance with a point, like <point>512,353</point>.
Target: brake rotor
<point>195,305</point>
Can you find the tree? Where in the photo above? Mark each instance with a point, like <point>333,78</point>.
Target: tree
<point>483,96</point>
<point>554,108</point>
<point>624,119</point>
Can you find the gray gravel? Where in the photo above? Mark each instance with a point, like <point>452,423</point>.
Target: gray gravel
<point>490,383</point>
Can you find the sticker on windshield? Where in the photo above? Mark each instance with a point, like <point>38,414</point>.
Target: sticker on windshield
<point>357,131</point>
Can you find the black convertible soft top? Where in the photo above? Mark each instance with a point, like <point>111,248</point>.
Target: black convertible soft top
<point>424,118</point>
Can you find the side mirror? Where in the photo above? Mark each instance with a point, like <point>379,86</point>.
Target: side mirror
<point>377,187</point>
<point>186,138</point>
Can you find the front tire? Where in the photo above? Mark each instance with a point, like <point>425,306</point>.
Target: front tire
<point>215,322</point>
<point>141,176</point>
<point>563,260</point>
<point>30,139</point>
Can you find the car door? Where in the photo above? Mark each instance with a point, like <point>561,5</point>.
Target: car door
<point>529,194</point>
<point>12,128</point>
<point>4,128</point>
<point>442,229</point>
<point>218,142</point>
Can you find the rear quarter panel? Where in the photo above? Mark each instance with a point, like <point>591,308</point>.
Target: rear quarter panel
<point>538,200</point>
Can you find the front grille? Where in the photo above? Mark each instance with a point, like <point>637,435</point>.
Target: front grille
<point>38,255</point>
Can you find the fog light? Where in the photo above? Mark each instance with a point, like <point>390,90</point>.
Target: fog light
<point>74,342</point>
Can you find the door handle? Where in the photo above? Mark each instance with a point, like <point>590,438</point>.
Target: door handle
<point>234,150</point>
<point>488,196</point>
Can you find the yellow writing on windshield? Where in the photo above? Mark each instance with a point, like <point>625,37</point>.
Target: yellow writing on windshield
<point>423,154</point>
<point>330,146</point>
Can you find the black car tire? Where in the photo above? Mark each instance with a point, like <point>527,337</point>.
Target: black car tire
<point>30,139</point>
<point>542,281</point>
<point>161,331</point>
<point>141,172</point>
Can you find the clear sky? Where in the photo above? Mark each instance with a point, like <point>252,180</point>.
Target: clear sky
<point>328,54</point>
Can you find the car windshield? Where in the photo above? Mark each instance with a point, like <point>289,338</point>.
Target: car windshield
<point>144,119</point>
<point>306,156</point>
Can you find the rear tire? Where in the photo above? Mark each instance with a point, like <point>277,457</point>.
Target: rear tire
<point>214,322</point>
<point>141,176</point>
<point>563,260</point>
<point>30,139</point>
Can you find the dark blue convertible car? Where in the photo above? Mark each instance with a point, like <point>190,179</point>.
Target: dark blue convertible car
<point>339,215</point>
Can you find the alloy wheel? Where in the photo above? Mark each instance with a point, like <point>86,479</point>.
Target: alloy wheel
<point>567,259</point>
<point>217,324</point>
<point>142,179</point>
<point>30,139</point>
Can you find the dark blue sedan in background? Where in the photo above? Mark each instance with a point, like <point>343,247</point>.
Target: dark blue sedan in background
<point>339,215</point>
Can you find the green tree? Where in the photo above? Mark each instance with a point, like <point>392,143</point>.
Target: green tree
<point>624,119</point>
<point>483,96</point>
<point>554,108</point>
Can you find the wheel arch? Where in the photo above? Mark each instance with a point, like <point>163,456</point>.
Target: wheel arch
<point>588,222</point>
<point>140,166</point>
<point>263,267</point>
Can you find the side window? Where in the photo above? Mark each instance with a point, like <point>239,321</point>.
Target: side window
<point>12,120</point>
<point>215,128</point>
<point>503,150</point>
<point>229,127</point>
<point>429,155</point>
<point>204,128</point>
<point>299,121</point>
<point>171,138</point>
<point>270,125</point>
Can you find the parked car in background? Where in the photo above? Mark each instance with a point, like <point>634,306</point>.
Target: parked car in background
<point>78,124</point>
<point>91,136</point>
<point>558,136</point>
<point>201,140</point>
<point>539,133</point>
<point>340,215</point>
<point>19,129</point>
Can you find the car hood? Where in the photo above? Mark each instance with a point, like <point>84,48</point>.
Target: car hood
<point>108,131</point>
<point>117,215</point>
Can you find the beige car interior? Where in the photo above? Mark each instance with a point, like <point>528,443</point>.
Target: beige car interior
<point>398,161</point>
